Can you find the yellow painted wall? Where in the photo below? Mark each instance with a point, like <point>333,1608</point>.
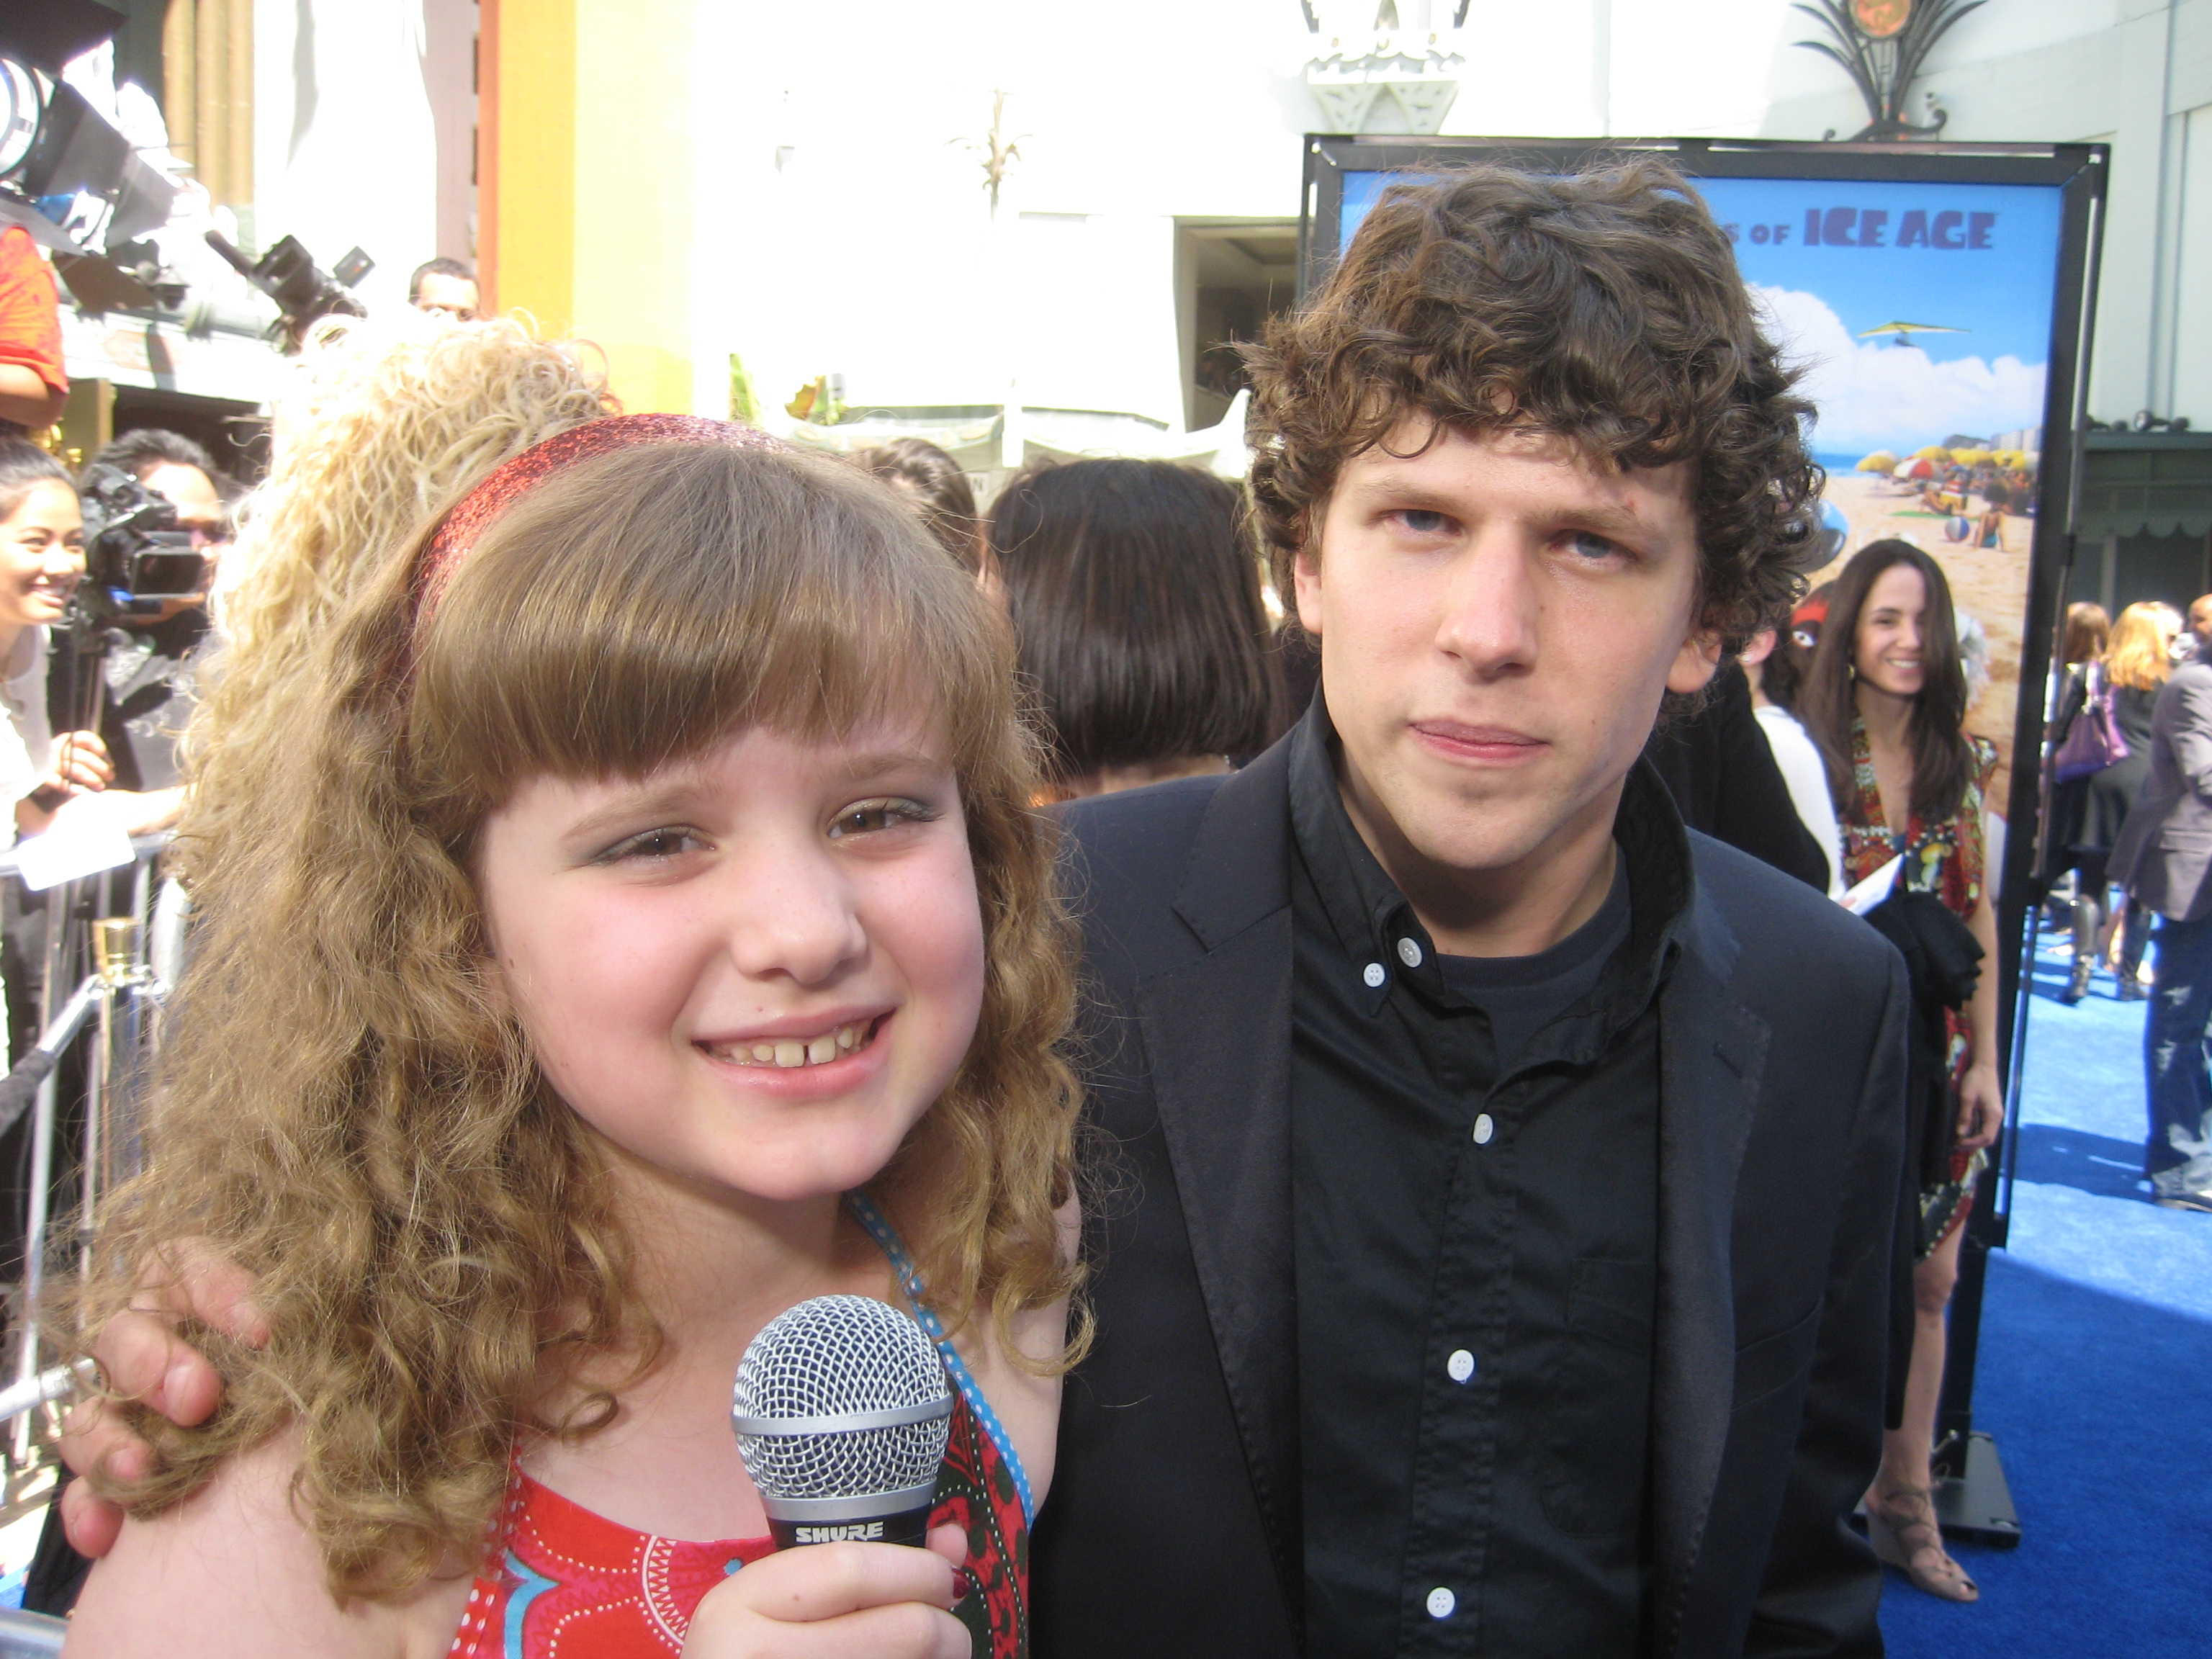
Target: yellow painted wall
<point>590,182</point>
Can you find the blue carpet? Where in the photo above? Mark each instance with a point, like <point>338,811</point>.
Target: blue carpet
<point>2095,1374</point>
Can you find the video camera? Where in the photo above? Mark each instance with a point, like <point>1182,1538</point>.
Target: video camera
<point>303,291</point>
<point>136,559</point>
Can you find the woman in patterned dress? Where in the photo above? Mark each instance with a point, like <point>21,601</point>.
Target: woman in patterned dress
<point>1886,703</point>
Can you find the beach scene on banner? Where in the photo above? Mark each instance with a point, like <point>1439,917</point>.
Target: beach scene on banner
<point>1921,315</point>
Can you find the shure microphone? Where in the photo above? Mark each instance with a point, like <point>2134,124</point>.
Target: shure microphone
<point>841,1409</point>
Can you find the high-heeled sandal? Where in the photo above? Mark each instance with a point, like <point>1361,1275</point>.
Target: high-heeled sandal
<point>1901,1526</point>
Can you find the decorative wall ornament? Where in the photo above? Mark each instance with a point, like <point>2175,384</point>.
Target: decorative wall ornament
<point>1881,44</point>
<point>1383,60</point>
<point>999,152</point>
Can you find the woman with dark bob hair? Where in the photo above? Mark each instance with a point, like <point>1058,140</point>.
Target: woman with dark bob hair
<point>1887,701</point>
<point>931,480</point>
<point>1139,630</point>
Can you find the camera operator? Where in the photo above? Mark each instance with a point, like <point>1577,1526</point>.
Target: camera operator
<point>41,562</point>
<point>150,659</point>
<point>446,287</point>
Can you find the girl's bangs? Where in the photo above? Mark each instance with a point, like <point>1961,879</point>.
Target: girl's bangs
<point>758,589</point>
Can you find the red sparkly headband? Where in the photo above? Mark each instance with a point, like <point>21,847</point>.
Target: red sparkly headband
<point>476,511</point>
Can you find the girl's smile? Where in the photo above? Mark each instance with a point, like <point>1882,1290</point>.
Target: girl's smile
<point>754,970</point>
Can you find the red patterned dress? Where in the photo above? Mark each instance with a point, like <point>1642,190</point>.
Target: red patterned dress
<point>1946,858</point>
<point>562,1583</point>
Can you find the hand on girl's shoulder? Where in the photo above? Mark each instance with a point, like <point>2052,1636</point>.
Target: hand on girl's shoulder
<point>234,1573</point>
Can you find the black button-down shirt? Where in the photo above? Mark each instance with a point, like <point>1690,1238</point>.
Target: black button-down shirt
<point>1474,1159</point>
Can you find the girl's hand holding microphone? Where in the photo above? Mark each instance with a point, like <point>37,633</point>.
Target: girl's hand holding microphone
<point>831,1601</point>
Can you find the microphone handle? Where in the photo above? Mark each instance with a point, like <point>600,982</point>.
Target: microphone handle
<point>909,1527</point>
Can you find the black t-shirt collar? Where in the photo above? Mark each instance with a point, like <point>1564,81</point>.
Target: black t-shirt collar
<point>1376,926</point>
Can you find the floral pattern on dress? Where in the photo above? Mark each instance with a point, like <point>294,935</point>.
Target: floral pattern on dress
<point>1948,859</point>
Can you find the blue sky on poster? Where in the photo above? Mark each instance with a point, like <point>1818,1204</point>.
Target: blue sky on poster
<point>1978,258</point>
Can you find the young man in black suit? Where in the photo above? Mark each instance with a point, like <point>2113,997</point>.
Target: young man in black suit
<point>1495,1255</point>
<point>1500,1259</point>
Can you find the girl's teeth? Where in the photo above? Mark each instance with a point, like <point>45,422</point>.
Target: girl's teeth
<point>816,1051</point>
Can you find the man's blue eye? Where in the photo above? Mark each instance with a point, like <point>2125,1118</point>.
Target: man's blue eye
<point>1423,522</point>
<point>1594,547</point>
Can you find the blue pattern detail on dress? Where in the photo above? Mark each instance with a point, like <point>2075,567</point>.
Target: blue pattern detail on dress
<point>864,1212</point>
<point>532,1586</point>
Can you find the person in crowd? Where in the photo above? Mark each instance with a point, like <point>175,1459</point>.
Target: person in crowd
<point>1774,664</point>
<point>2162,857</point>
<point>41,562</point>
<point>2088,631</point>
<point>34,386</point>
<point>1527,463</point>
<point>2200,622</point>
<point>1718,767</point>
<point>1887,701</point>
<point>649,930</point>
<point>446,287</point>
<point>939,491</point>
<point>151,661</point>
<point>1138,632</point>
<point>2087,813</point>
<point>42,543</point>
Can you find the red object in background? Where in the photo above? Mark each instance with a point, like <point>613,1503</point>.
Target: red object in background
<point>30,310</point>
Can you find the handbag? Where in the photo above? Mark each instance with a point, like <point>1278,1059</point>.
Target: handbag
<point>2094,740</point>
<point>1942,965</point>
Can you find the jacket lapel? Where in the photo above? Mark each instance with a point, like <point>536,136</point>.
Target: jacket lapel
<point>1712,1058</point>
<point>1217,1032</point>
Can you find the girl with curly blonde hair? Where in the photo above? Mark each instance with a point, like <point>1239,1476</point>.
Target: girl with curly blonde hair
<point>647,931</point>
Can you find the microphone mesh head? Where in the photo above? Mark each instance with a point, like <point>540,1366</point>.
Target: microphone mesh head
<point>827,1356</point>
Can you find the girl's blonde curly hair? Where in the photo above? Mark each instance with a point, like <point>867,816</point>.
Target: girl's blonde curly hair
<point>377,427</point>
<point>348,1113</point>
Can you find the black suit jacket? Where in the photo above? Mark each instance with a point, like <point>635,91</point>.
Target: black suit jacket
<point>1719,769</point>
<point>1173,1525</point>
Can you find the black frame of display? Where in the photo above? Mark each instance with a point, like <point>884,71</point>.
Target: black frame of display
<point>2081,173</point>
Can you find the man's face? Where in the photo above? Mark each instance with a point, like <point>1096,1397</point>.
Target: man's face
<point>449,296</point>
<point>199,510</point>
<point>2200,619</point>
<point>1498,620</point>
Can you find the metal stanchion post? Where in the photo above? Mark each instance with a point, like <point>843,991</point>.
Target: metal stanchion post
<point>114,1143</point>
<point>59,1033</point>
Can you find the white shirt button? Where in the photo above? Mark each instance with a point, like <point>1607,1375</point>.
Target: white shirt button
<point>1409,952</point>
<point>1484,1128</point>
<point>1375,974</point>
<point>1441,1602</point>
<point>1460,1366</point>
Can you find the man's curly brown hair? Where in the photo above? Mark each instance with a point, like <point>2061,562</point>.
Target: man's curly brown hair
<point>1603,306</point>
